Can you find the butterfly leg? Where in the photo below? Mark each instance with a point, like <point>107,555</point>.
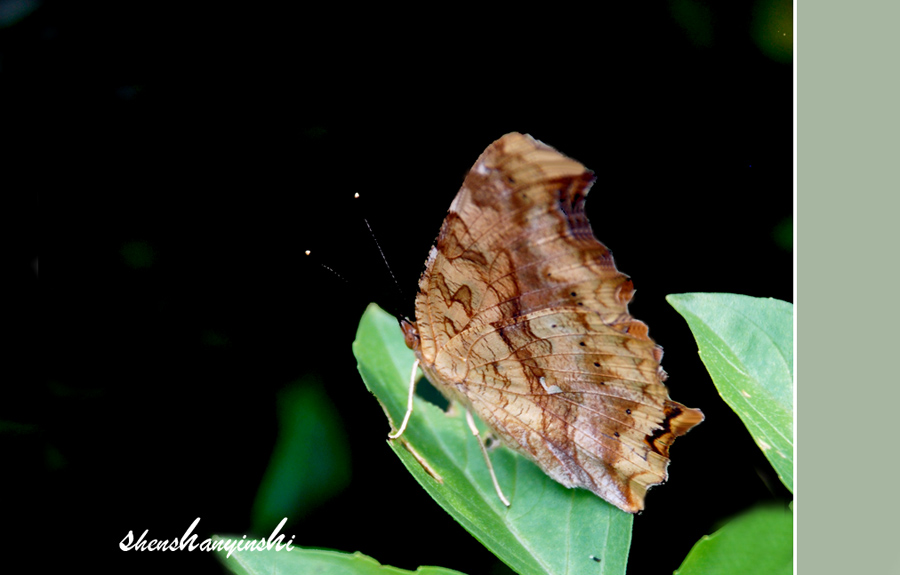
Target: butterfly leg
<point>409,405</point>
<point>487,459</point>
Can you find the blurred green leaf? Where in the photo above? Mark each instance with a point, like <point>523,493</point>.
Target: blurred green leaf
<point>14,11</point>
<point>783,234</point>
<point>310,461</point>
<point>695,18</point>
<point>138,255</point>
<point>300,561</point>
<point>746,344</point>
<point>548,529</point>
<point>772,29</point>
<point>759,541</point>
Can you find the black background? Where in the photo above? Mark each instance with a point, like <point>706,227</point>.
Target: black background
<point>224,140</point>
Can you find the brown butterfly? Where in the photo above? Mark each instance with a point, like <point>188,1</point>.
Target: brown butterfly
<point>522,317</point>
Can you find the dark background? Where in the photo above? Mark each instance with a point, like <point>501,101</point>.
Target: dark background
<point>182,157</point>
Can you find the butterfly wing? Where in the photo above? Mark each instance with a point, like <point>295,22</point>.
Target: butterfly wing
<point>523,317</point>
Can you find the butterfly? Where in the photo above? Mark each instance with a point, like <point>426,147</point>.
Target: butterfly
<point>522,318</point>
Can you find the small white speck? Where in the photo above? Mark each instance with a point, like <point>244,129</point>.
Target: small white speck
<point>551,389</point>
<point>745,394</point>
<point>764,446</point>
<point>481,169</point>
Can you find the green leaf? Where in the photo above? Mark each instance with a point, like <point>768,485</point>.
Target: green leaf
<point>548,529</point>
<point>311,459</point>
<point>746,344</point>
<point>300,561</point>
<point>759,541</point>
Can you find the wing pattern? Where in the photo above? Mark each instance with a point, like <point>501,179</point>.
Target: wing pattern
<point>523,317</point>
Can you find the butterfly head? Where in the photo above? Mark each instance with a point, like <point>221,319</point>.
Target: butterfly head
<point>410,333</point>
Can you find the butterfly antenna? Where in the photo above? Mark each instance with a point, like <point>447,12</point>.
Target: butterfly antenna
<point>383,258</point>
<point>342,278</point>
<point>400,295</point>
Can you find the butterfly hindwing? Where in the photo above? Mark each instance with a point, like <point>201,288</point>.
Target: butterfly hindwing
<point>523,317</point>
